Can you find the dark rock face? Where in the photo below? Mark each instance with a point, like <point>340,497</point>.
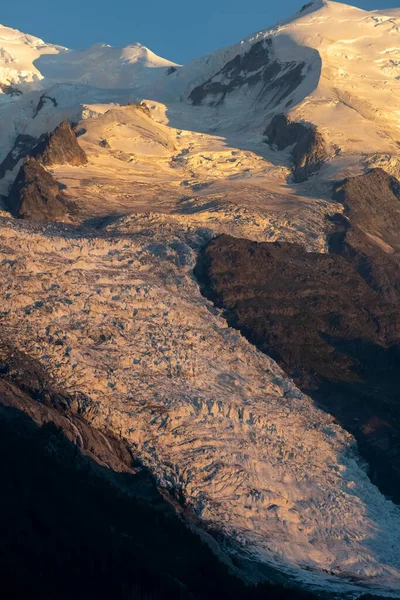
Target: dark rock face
<point>309,151</point>
<point>36,195</point>
<point>337,337</point>
<point>42,103</point>
<point>101,448</point>
<point>369,235</point>
<point>372,202</point>
<point>10,90</point>
<point>59,148</point>
<point>257,66</point>
<point>22,147</point>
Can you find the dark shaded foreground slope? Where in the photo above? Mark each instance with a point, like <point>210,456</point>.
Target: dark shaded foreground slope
<point>335,335</point>
<point>71,526</point>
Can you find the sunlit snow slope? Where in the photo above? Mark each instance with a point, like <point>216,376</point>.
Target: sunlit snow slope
<point>25,59</point>
<point>18,53</point>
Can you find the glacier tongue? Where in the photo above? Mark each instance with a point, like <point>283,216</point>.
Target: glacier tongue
<point>118,317</point>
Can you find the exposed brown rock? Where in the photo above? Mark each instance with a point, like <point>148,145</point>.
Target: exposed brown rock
<point>372,203</point>
<point>369,235</point>
<point>36,195</point>
<point>59,148</point>
<point>102,447</point>
<point>326,327</point>
<point>309,150</point>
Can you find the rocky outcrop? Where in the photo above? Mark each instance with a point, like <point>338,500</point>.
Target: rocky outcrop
<point>368,233</point>
<point>326,327</point>
<point>36,195</point>
<point>59,148</point>
<point>42,103</point>
<point>372,203</point>
<point>10,90</point>
<point>309,150</point>
<point>256,67</point>
<point>22,147</point>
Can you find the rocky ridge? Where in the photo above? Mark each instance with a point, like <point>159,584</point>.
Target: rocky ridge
<point>37,196</point>
<point>308,151</point>
<point>59,147</point>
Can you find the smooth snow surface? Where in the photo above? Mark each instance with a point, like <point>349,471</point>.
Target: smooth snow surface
<point>18,52</point>
<point>105,66</point>
<point>210,415</point>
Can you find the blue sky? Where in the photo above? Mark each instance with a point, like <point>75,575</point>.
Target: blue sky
<point>178,30</point>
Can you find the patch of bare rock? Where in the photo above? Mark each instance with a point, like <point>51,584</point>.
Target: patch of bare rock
<point>367,234</point>
<point>35,195</point>
<point>309,149</point>
<point>60,147</point>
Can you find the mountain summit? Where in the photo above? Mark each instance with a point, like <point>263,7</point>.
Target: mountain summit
<point>25,61</point>
<point>18,52</point>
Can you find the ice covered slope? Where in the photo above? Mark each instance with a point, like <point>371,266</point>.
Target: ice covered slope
<point>25,59</point>
<point>331,64</point>
<point>42,84</point>
<point>118,321</point>
<point>18,53</point>
<point>106,67</point>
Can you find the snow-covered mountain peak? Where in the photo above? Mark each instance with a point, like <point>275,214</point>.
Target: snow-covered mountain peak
<point>105,66</point>
<point>137,52</point>
<point>9,34</point>
<point>330,64</point>
<point>18,52</point>
<point>27,62</point>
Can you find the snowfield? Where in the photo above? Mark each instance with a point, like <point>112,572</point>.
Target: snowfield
<point>18,52</point>
<point>115,314</point>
